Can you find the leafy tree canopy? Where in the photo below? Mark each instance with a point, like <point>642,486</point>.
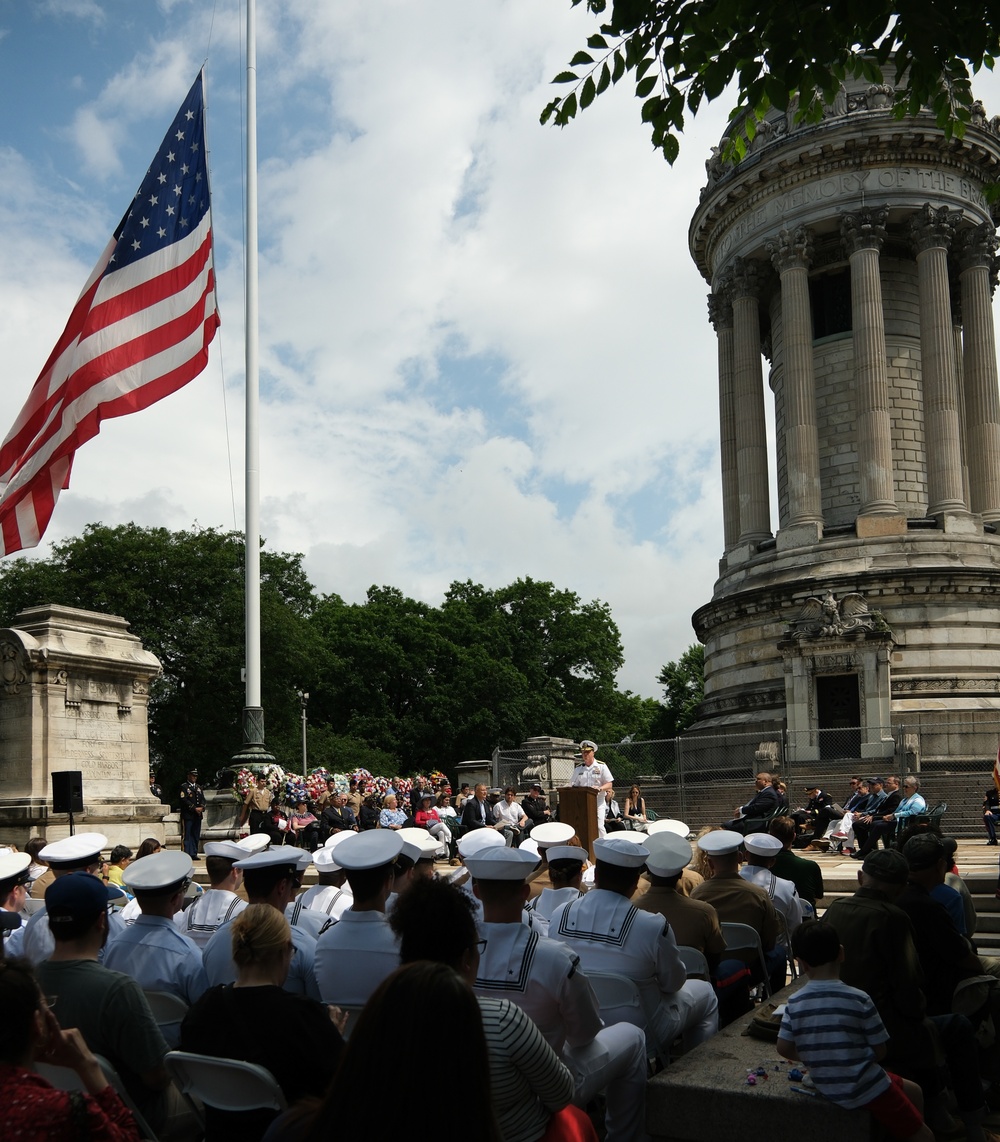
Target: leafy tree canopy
<point>683,685</point>
<point>681,53</point>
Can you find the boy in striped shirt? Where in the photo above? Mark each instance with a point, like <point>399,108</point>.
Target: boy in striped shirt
<point>836,1031</point>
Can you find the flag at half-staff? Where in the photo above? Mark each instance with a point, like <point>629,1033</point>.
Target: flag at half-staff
<point>139,331</point>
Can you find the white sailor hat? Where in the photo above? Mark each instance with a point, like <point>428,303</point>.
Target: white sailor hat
<point>588,744</point>
<point>228,849</point>
<point>679,828</point>
<point>338,838</point>
<point>501,864</point>
<point>762,844</point>
<point>254,843</point>
<point>371,849</point>
<point>411,850</point>
<point>630,838</point>
<point>420,840</point>
<point>529,845</point>
<point>720,842</point>
<point>81,849</point>
<point>281,856</point>
<point>325,859</point>
<point>13,866</point>
<point>552,833</point>
<point>478,839</point>
<point>616,850</point>
<point>669,854</point>
<point>158,872</point>
<point>565,852</point>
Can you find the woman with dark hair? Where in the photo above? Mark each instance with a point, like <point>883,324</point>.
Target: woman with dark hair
<point>531,1087</point>
<point>255,1019</point>
<point>358,1089</point>
<point>32,1108</point>
<point>149,846</point>
<point>635,809</point>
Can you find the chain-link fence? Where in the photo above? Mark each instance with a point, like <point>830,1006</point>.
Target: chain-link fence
<point>701,779</point>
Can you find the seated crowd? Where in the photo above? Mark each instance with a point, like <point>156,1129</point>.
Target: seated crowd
<point>565,982</point>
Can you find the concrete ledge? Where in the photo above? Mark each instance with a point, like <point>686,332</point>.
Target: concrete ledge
<point>704,1096</point>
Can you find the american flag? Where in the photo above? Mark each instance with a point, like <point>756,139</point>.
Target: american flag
<point>139,331</point>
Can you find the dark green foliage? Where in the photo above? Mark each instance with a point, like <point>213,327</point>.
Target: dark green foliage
<point>689,51</point>
<point>683,685</point>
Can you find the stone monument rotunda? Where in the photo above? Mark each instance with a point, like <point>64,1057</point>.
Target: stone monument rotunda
<point>857,256</point>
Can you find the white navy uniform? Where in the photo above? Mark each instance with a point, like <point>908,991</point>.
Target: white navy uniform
<point>353,955</point>
<point>593,777</point>
<point>538,911</point>
<point>130,912</point>
<point>610,934</point>
<point>784,896</point>
<point>332,901</point>
<point>544,978</point>
<point>39,943</point>
<point>159,958</point>
<point>305,919</point>
<point>215,906</point>
<point>219,967</point>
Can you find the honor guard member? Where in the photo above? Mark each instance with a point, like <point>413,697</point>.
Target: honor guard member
<point>566,877</point>
<point>79,853</point>
<point>357,952</point>
<point>544,978</point>
<point>331,896</point>
<point>271,876</point>
<point>594,774</point>
<point>545,836</point>
<point>152,951</point>
<point>762,849</point>
<point>737,901</point>
<point>192,811</point>
<point>14,880</point>
<point>610,934</point>
<point>219,903</point>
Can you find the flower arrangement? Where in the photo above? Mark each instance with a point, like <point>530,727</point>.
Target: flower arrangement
<point>246,779</point>
<point>436,777</point>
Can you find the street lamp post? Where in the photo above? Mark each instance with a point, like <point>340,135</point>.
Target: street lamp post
<point>304,698</point>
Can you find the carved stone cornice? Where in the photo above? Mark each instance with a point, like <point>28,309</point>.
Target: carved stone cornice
<point>864,229</point>
<point>933,228</point>
<point>791,249</point>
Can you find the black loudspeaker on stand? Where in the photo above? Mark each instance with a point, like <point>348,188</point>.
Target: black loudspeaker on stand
<point>67,793</point>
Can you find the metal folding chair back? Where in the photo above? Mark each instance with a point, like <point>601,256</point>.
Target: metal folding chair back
<point>226,1084</point>
<point>62,1078</point>
<point>743,938</point>
<point>694,961</point>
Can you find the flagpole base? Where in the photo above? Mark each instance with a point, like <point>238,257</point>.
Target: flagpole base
<point>253,752</point>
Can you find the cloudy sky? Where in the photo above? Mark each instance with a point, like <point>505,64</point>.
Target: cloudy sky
<point>484,348</point>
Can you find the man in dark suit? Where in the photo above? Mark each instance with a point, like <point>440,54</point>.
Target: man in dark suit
<point>337,818</point>
<point>478,813</point>
<point>753,815</point>
<point>815,817</point>
<point>879,821</point>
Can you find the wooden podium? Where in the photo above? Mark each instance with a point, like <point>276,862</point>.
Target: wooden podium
<point>578,807</point>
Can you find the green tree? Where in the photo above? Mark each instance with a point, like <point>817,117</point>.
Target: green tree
<point>683,685</point>
<point>681,53</point>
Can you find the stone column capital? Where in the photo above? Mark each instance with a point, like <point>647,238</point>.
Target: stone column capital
<point>791,249</point>
<point>933,228</point>
<point>720,309</point>
<point>864,229</point>
<point>747,278</point>
<point>976,246</point>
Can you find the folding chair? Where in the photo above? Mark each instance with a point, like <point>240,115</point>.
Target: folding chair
<point>620,1001</point>
<point>168,1011</point>
<point>62,1078</point>
<point>741,937</point>
<point>226,1084</point>
<point>694,961</point>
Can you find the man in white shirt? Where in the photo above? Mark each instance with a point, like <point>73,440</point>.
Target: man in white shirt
<point>594,774</point>
<point>218,904</point>
<point>510,817</point>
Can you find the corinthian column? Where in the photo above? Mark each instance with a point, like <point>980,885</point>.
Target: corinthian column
<point>720,313</point>
<point>976,250</point>
<point>932,231</point>
<point>748,386</point>
<point>791,254</point>
<point>863,233</point>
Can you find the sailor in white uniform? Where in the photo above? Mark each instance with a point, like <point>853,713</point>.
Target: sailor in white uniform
<point>565,863</point>
<point>611,935</point>
<point>273,876</point>
<point>469,844</point>
<point>544,978</point>
<point>762,849</point>
<point>357,952</point>
<point>331,896</point>
<point>218,904</point>
<point>15,880</point>
<point>594,774</point>
<point>79,853</point>
<point>152,951</point>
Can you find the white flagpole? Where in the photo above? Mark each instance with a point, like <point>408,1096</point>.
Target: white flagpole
<point>253,713</point>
